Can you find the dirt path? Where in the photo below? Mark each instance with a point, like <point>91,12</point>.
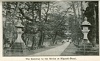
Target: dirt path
<point>54,51</point>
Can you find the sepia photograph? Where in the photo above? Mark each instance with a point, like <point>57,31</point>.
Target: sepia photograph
<point>50,28</point>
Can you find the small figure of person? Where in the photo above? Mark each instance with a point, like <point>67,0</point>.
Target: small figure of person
<point>62,42</point>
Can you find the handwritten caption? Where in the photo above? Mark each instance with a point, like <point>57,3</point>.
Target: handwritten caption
<point>61,58</point>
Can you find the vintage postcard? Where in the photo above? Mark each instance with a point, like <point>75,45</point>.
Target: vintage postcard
<point>50,30</point>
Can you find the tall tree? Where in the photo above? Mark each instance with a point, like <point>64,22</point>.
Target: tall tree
<point>91,13</point>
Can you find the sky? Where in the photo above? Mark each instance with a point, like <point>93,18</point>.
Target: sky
<point>65,4</point>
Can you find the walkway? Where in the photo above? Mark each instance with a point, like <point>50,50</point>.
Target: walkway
<point>54,51</point>
<point>70,51</point>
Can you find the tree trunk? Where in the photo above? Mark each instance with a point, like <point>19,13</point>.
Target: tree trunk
<point>82,11</point>
<point>41,39</point>
<point>54,38</point>
<point>75,24</point>
<point>41,29</point>
<point>43,35</point>
<point>73,5</point>
<point>96,24</point>
<point>33,40</point>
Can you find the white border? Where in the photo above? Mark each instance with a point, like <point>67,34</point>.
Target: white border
<point>78,58</point>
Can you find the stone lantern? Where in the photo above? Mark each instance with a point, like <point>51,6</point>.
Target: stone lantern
<point>19,45</point>
<point>86,47</point>
<point>83,49</point>
<point>19,27</point>
<point>85,30</point>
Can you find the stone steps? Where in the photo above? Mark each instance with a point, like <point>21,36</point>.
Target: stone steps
<point>87,51</point>
<point>16,48</point>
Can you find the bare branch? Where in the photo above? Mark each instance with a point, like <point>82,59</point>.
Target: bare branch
<point>62,19</point>
<point>26,17</point>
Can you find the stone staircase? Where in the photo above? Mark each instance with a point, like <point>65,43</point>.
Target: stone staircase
<point>87,50</point>
<point>17,49</point>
